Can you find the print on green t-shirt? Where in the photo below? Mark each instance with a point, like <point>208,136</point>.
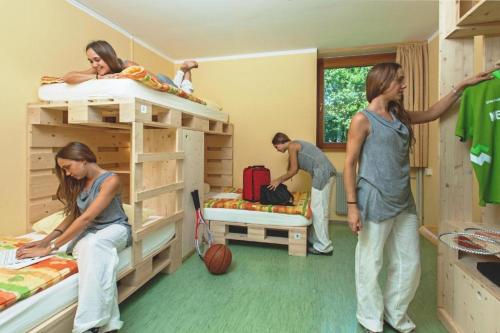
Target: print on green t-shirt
<point>479,120</point>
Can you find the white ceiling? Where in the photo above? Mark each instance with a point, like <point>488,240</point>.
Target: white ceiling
<point>212,28</point>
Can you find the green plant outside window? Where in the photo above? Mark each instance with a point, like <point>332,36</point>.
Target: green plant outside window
<point>344,95</point>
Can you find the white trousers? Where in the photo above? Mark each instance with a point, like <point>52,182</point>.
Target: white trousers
<point>185,85</point>
<point>97,257</point>
<point>318,233</point>
<point>399,236</point>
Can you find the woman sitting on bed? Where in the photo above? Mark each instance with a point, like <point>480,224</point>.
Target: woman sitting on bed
<point>106,65</point>
<point>306,156</point>
<point>98,229</point>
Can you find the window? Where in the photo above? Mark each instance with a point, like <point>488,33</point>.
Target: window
<point>341,93</point>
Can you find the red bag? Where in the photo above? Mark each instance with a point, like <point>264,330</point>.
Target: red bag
<point>253,178</point>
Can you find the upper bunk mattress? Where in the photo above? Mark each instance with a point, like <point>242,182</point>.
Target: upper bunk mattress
<point>125,88</point>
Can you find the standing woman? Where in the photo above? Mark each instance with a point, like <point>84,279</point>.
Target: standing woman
<point>381,209</point>
<point>105,64</point>
<point>306,156</point>
<point>98,229</point>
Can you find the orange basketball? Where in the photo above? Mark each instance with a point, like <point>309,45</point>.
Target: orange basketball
<point>218,259</point>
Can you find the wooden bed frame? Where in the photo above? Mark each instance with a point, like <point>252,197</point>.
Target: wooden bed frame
<point>142,143</point>
<point>295,237</point>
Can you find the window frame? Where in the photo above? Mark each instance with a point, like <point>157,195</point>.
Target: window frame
<point>340,62</point>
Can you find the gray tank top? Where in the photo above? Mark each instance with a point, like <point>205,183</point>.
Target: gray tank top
<point>312,160</point>
<point>383,188</point>
<point>112,214</point>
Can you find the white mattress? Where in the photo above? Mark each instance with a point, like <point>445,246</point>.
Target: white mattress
<point>125,88</point>
<point>251,216</point>
<point>28,313</point>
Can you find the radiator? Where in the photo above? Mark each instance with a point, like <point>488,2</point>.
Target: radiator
<point>341,199</point>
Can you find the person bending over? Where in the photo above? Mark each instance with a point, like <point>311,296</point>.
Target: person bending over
<point>96,228</point>
<point>105,64</point>
<point>306,156</point>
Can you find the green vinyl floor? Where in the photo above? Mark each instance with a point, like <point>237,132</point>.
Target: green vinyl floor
<point>266,290</point>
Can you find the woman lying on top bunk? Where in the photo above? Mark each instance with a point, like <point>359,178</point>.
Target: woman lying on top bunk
<point>106,65</point>
<point>98,229</point>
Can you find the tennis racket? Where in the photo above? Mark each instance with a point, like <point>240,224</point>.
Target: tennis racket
<point>202,236</point>
<point>473,240</point>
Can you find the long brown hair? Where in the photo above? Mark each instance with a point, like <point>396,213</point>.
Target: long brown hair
<point>70,187</point>
<point>107,54</point>
<point>378,80</point>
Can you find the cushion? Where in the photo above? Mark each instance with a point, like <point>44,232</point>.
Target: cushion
<point>49,223</point>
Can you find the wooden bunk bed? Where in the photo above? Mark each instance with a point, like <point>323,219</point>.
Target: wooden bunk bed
<point>155,148</point>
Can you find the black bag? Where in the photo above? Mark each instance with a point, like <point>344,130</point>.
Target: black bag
<point>279,196</point>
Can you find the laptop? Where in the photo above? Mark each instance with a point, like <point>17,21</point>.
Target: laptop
<point>8,260</point>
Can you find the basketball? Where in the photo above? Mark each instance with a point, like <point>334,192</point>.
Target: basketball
<point>218,259</point>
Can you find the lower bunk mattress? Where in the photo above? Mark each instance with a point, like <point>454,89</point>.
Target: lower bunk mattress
<point>32,311</point>
<point>229,206</point>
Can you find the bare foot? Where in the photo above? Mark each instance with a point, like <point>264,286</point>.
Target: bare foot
<point>188,65</point>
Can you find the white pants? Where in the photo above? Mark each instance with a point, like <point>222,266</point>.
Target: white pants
<point>400,238</point>
<point>318,233</point>
<point>97,257</point>
<point>185,85</point>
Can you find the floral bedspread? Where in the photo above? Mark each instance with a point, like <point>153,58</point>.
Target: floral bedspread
<point>17,284</point>
<point>301,204</point>
<point>138,73</point>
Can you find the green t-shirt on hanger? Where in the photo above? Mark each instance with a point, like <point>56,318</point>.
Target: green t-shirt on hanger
<point>479,119</point>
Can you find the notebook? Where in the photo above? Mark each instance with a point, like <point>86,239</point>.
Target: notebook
<point>8,260</point>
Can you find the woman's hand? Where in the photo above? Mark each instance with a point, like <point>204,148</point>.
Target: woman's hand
<point>38,243</point>
<point>35,251</point>
<point>110,76</point>
<point>354,220</point>
<point>483,76</point>
<point>274,184</point>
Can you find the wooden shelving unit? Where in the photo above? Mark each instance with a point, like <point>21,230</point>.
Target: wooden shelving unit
<point>467,300</point>
<point>219,158</point>
<point>485,11</point>
<point>476,18</point>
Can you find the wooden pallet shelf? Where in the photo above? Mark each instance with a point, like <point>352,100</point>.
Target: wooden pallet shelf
<point>484,11</point>
<point>295,237</point>
<point>119,114</point>
<point>219,158</point>
<point>476,18</point>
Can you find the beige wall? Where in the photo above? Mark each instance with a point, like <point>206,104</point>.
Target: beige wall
<point>43,37</point>
<point>263,96</point>
<point>431,193</point>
